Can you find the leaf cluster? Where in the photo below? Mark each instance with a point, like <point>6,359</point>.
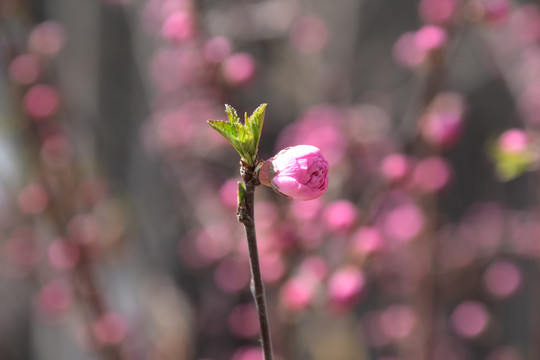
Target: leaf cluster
<point>243,137</point>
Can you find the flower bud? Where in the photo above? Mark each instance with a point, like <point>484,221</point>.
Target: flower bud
<point>298,172</point>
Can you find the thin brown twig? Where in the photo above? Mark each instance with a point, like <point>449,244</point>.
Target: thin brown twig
<point>246,216</point>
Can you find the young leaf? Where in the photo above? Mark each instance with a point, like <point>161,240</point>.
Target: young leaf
<point>255,124</point>
<point>228,131</point>
<point>231,114</point>
<point>245,139</point>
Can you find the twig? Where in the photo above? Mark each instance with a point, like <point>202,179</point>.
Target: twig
<point>245,214</point>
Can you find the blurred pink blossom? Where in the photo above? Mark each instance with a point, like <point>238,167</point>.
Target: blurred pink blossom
<point>174,129</point>
<point>217,49</point>
<point>21,247</point>
<point>228,193</point>
<point>33,199</point>
<point>525,23</point>
<point>403,222</point>
<point>345,287</point>
<point>84,229</point>
<point>442,123</point>
<point>513,141</point>
<point>24,69</point>
<point>431,174</point>
<point>171,69</point>
<point>406,51</point>
<point>111,328</point>
<point>239,69</point>
<point>213,242</point>
<point>56,151</point>
<point>502,278</point>
<point>272,267</point>
<point>437,11</point>
<point>412,48</point>
<point>469,319</point>
<point>178,26</point>
<point>47,39</point>
<point>398,321</point>
<point>430,37</point>
<point>41,101</point>
<point>442,129</point>
<point>63,255</point>
<point>244,321</point>
<point>395,167</point>
<point>232,275</point>
<point>297,293</point>
<point>340,215</point>
<point>529,103</point>
<point>496,11</point>
<point>309,34</point>
<point>313,267</point>
<point>367,240</point>
<point>157,11</point>
<point>54,297</point>
<point>267,215</point>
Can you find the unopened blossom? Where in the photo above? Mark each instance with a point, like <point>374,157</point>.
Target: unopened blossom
<point>297,172</point>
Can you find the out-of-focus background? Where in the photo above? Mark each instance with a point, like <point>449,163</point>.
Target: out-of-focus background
<point>117,201</point>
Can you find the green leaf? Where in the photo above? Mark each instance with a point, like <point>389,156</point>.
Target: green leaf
<point>255,124</point>
<point>231,114</point>
<point>245,139</point>
<point>228,131</point>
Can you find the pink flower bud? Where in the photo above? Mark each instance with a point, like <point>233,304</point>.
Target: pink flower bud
<point>298,172</point>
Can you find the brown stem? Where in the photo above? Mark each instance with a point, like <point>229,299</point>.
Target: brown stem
<point>245,213</point>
